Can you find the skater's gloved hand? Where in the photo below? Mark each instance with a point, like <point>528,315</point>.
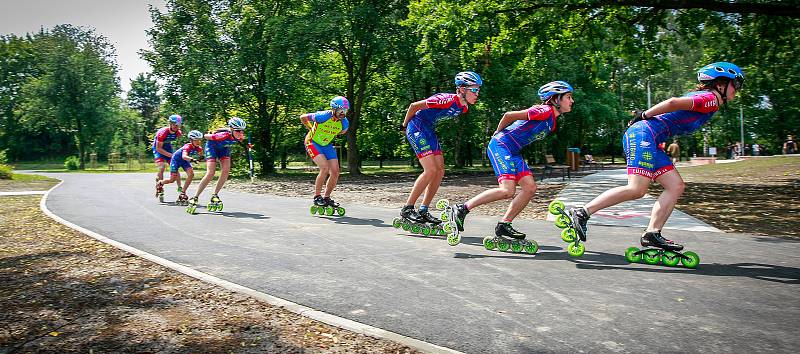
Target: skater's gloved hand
<point>639,116</point>
<point>250,146</point>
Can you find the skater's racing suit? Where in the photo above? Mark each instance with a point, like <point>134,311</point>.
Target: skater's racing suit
<point>324,127</point>
<point>219,144</point>
<point>420,130</point>
<point>641,140</point>
<point>504,148</point>
<point>165,136</point>
<point>178,162</point>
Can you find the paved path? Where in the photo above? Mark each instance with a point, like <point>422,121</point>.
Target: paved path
<point>743,298</point>
<point>634,213</point>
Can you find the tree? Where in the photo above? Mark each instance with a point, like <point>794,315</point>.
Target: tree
<point>76,92</point>
<point>145,99</point>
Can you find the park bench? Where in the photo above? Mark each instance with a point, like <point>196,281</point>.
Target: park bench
<point>550,166</point>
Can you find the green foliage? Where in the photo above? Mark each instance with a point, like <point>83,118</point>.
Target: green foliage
<point>5,171</point>
<point>72,163</point>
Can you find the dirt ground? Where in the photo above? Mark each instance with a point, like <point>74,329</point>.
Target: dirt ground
<point>63,291</point>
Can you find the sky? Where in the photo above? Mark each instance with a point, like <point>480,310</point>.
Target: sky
<point>123,22</point>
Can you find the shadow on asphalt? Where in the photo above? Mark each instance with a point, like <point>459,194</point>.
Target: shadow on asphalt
<point>239,215</point>
<point>347,220</point>
<point>768,272</point>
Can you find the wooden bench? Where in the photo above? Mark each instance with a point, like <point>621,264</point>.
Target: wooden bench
<point>550,166</point>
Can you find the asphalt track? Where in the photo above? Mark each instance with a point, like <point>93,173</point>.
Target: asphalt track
<point>744,297</point>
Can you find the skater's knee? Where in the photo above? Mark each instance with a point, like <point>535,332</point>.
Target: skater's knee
<point>636,192</point>
<point>324,170</point>
<point>529,189</point>
<point>507,193</point>
<point>334,171</point>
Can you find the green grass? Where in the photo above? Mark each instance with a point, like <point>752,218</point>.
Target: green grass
<point>21,177</point>
<point>761,170</point>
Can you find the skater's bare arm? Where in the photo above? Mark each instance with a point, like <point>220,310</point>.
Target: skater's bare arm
<point>160,149</point>
<point>306,122</point>
<point>670,105</point>
<point>510,117</point>
<point>412,110</point>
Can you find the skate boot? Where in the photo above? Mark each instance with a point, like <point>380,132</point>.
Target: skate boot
<point>430,225</point>
<point>460,211</point>
<point>215,204</point>
<point>182,199</point>
<point>192,208</point>
<point>159,190</point>
<point>571,226</point>
<point>409,220</point>
<point>506,237</point>
<point>332,207</point>
<point>318,206</point>
<point>664,251</point>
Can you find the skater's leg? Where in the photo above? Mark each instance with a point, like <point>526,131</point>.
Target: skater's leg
<point>333,168</point>
<point>171,179</point>
<point>225,169</point>
<point>189,178</point>
<point>160,165</point>
<point>662,209</point>
<point>211,168</point>
<point>505,190</point>
<point>527,190</point>
<point>178,179</point>
<point>324,170</point>
<point>430,169</point>
<point>436,180</point>
<point>636,188</point>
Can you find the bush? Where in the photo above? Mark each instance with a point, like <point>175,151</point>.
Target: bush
<point>3,157</point>
<point>5,172</point>
<point>72,163</point>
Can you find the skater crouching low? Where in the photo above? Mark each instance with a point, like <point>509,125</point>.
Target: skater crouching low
<point>182,159</point>
<point>323,127</point>
<point>516,130</point>
<point>218,147</point>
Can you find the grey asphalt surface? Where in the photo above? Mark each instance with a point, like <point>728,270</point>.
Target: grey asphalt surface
<point>744,297</point>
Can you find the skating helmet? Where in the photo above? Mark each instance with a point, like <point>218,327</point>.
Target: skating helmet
<point>554,88</point>
<point>237,123</point>
<point>175,119</point>
<point>195,135</point>
<point>721,69</point>
<point>468,78</point>
<point>340,102</point>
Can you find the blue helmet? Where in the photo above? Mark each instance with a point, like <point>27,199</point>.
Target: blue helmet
<point>340,102</point>
<point>554,88</point>
<point>237,123</point>
<point>721,69</point>
<point>468,78</point>
<point>175,119</point>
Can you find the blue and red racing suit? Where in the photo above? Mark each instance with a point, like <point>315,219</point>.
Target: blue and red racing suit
<point>178,162</point>
<point>504,148</point>
<point>219,144</point>
<point>420,131</point>
<point>323,130</point>
<point>164,135</point>
<point>641,140</point>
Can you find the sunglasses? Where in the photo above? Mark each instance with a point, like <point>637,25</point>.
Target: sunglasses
<point>340,111</point>
<point>738,82</point>
<point>238,130</point>
<point>474,89</point>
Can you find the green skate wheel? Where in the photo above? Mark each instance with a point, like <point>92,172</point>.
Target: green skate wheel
<point>631,256</point>
<point>448,228</point>
<point>554,205</point>
<point>426,231</point>
<point>569,235</point>
<point>453,240</point>
<point>503,246</point>
<point>516,247</point>
<point>576,250</point>
<point>329,210</point>
<point>693,260</point>
<point>488,243</point>
<point>443,216</point>
<point>397,223</point>
<point>340,211</point>
<point>531,247</point>
<point>670,259</point>
<point>415,229</point>
<point>562,221</point>
<point>219,207</point>
<point>651,257</point>
<point>442,203</point>
<point>406,226</point>
<point>440,231</point>
<point>313,209</point>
